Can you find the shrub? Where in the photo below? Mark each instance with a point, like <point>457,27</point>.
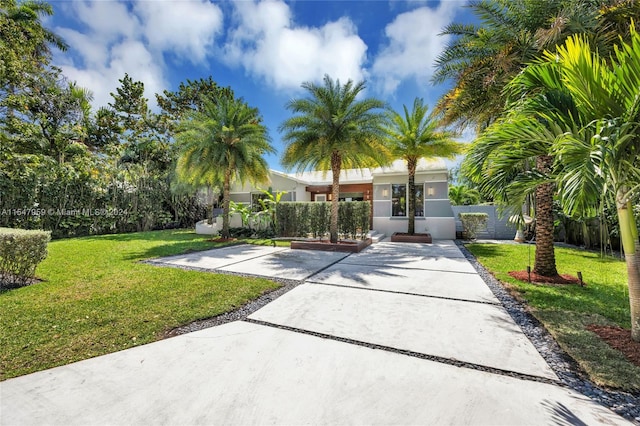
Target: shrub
<point>20,253</point>
<point>472,223</point>
<point>299,219</point>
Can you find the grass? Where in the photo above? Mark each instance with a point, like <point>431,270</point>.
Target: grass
<point>566,310</point>
<point>96,298</point>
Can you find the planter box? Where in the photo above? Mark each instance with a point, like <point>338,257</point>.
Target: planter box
<point>402,237</point>
<point>342,246</point>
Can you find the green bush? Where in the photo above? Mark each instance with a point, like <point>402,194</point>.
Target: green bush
<point>20,253</point>
<point>301,219</point>
<point>472,223</point>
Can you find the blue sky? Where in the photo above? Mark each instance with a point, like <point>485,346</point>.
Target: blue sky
<point>263,50</point>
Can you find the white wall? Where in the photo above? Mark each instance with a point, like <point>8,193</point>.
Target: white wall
<point>440,228</point>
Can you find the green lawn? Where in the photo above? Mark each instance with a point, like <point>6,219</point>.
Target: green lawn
<point>567,310</point>
<point>96,298</point>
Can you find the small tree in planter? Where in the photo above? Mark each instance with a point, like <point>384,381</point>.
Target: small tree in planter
<point>472,223</point>
<point>415,135</point>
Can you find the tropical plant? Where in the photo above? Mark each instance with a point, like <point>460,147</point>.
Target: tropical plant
<point>415,135</point>
<point>481,59</point>
<point>462,195</point>
<point>332,130</point>
<point>472,223</point>
<point>594,137</point>
<point>224,141</point>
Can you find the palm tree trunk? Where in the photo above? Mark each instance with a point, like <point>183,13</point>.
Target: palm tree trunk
<point>411,166</point>
<point>628,233</point>
<point>336,163</point>
<point>545,262</point>
<point>226,197</point>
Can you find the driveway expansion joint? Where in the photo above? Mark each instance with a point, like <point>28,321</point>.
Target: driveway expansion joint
<point>429,296</point>
<point>433,358</point>
<point>565,367</point>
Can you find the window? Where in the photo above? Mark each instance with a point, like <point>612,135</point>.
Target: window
<point>400,201</point>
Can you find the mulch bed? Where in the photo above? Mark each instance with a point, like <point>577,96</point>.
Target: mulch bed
<point>561,279</point>
<point>619,339</point>
<point>223,240</point>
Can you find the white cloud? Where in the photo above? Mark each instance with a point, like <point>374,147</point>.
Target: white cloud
<point>187,28</point>
<point>413,46</point>
<point>269,45</point>
<point>118,38</point>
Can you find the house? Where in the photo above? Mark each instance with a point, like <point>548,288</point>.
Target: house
<point>386,188</point>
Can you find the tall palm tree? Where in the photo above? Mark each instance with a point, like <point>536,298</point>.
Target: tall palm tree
<point>594,137</point>
<point>483,59</point>
<point>498,163</point>
<point>222,142</point>
<point>414,135</point>
<point>332,130</point>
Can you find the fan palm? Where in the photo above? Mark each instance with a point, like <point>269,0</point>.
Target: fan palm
<point>417,134</point>
<point>222,142</point>
<point>333,130</point>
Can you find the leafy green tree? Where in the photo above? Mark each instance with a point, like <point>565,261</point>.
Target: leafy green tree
<point>417,134</point>
<point>595,137</point>
<point>25,44</point>
<point>331,129</point>
<point>50,117</point>
<point>223,142</point>
<point>190,96</point>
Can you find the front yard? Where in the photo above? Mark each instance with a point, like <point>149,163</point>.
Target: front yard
<point>97,297</point>
<point>567,310</point>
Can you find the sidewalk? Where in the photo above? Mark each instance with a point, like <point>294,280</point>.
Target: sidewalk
<point>396,334</point>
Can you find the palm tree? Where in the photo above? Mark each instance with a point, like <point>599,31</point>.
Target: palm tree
<point>498,162</point>
<point>222,142</point>
<point>594,137</point>
<point>332,130</point>
<point>462,195</point>
<point>415,135</point>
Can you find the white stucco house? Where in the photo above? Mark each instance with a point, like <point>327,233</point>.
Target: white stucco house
<point>386,188</point>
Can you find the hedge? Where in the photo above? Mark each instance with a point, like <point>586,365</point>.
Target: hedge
<point>472,223</point>
<point>20,253</point>
<point>303,219</point>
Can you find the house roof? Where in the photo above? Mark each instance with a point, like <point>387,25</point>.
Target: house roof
<point>365,175</point>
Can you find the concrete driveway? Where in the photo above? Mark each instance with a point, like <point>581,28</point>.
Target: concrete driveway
<point>397,334</point>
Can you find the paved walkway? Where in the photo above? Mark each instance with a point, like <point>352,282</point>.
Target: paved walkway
<point>396,334</point>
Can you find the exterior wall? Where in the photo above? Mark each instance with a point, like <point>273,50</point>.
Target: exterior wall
<point>498,228</point>
<point>440,228</point>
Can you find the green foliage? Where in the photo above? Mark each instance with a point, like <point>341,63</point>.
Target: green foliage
<point>472,223</point>
<point>414,135</point>
<point>20,253</point>
<point>302,219</point>
<point>462,195</point>
<point>221,143</point>
<point>566,310</point>
<point>333,129</point>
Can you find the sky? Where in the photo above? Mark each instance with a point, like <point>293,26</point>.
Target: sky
<point>263,50</point>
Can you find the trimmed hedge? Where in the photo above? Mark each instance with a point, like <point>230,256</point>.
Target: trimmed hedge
<point>472,223</point>
<point>303,219</point>
<point>20,253</point>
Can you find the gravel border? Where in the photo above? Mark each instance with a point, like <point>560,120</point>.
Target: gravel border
<point>569,372</point>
